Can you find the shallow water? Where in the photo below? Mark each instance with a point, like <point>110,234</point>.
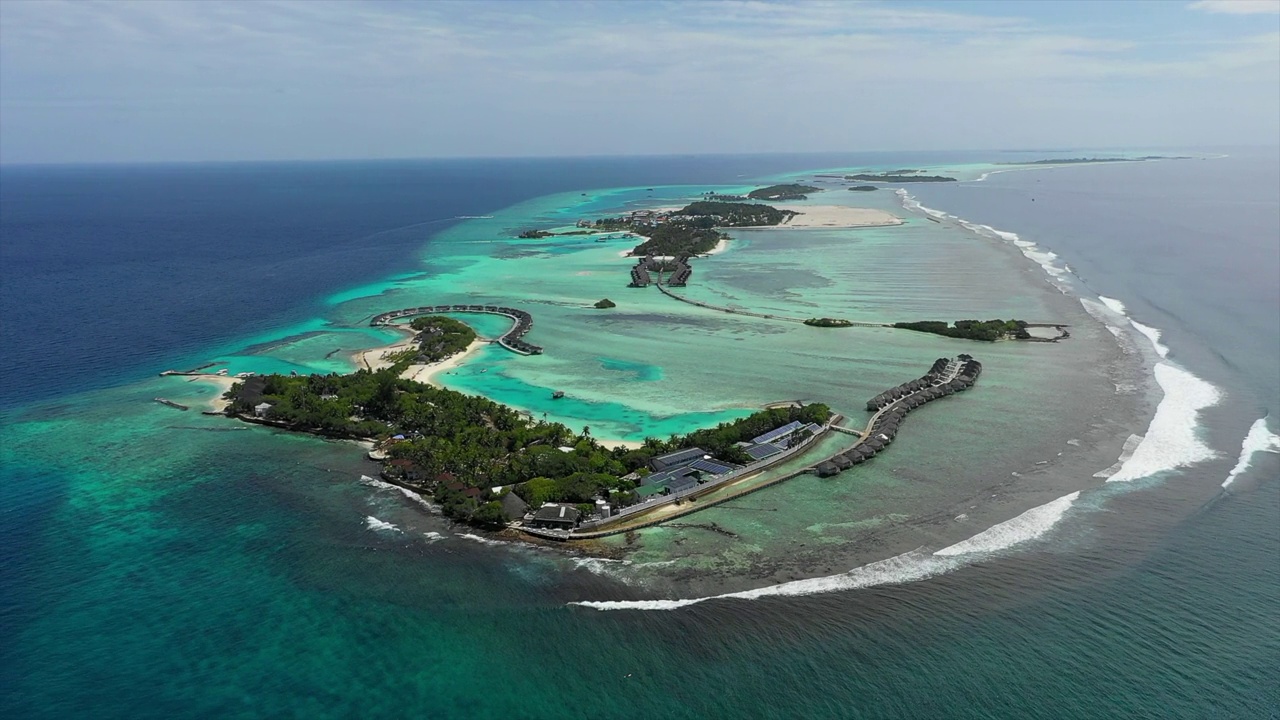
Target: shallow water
<point>166,563</point>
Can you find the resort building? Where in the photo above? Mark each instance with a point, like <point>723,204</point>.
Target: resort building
<point>261,409</point>
<point>678,458</point>
<point>556,517</point>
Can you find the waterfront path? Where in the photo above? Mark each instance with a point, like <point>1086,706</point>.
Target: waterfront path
<point>511,339</point>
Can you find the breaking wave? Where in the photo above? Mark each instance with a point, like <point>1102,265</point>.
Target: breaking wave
<point>1130,446</point>
<point>911,566</point>
<point>383,485</point>
<point>376,525</point>
<point>1259,439</point>
<point>1027,526</point>
<point>1172,440</point>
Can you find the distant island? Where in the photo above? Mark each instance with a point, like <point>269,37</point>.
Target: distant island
<point>828,322</point>
<point>898,176</point>
<point>605,304</point>
<point>1080,160</point>
<point>789,191</point>
<point>863,188</point>
<point>984,330</point>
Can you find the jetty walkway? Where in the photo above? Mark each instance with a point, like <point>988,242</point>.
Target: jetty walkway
<point>947,376</point>
<point>511,339</point>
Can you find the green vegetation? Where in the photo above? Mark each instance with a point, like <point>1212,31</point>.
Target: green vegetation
<point>730,214</point>
<point>606,304</point>
<point>898,176</point>
<point>827,322</point>
<point>790,191</point>
<point>677,238</point>
<point>535,234</point>
<point>440,337</point>
<point>458,447</point>
<point>988,330</point>
<point>863,188</point>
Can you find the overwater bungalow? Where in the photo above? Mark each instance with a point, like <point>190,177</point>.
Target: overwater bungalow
<point>842,462</point>
<point>827,469</point>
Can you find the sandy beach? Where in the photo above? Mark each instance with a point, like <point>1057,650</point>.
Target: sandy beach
<point>377,358</point>
<point>426,373</point>
<point>223,383</point>
<point>837,216</point>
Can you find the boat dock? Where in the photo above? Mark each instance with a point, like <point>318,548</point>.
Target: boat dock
<point>511,339</point>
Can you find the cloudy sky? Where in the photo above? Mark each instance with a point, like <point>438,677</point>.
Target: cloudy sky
<point>84,81</point>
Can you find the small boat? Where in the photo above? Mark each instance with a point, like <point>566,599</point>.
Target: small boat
<point>557,395</point>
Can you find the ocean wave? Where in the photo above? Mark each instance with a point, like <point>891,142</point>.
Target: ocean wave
<point>599,566</point>
<point>383,485</point>
<point>473,217</point>
<point>375,524</point>
<point>1126,451</point>
<point>1259,439</point>
<point>1027,526</point>
<point>433,536</point>
<point>908,567</point>
<point>1171,440</point>
<point>481,540</point>
<point>1153,335</point>
<point>1046,259</point>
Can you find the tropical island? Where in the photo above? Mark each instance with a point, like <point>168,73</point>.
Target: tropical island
<point>828,322</point>
<point>439,338</point>
<point>898,176</point>
<point>605,304</point>
<point>691,230</point>
<point>984,330</point>
<point>1090,160</point>
<point>487,464</point>
<point>863,188</point>
<point>789,191</point>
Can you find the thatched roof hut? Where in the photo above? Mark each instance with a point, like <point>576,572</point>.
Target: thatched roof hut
<point>842,462</point>
<point>827,469</point>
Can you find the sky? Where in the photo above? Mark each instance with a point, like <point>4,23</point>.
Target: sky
<point>83,81</point>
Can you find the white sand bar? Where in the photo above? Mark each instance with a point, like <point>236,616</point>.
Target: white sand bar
<point>837,216</point>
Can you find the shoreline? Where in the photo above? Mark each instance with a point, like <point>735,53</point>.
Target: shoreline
<point>223,382</point>
<point>414,372</point>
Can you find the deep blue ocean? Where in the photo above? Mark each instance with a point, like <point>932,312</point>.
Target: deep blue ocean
<point>149,570</point>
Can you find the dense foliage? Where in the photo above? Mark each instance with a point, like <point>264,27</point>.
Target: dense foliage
<point>862,188</point>
<point>790,191</point>
<point>732,214</point>
<point>535,234</point>
<point>678,238</point>
<point>827,322</point>
<point>440,337</point>
<point>458,447</point>
<point>605,304</point>
<point>986,330</point>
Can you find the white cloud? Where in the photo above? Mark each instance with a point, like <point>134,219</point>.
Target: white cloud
<point>1238,7</point>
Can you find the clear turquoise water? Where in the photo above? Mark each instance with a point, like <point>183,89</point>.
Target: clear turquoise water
<point>161,563</point>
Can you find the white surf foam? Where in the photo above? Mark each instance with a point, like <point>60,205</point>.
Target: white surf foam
<point>1171,440</point>
<point>911,566</point>
<point>375,524</point>
<point>383,485</point>
<point>1126,451</point>
<point>481,540</point>
<point>1113,305</point>
<point>1259,439</point>
<point>1153,335</point>
<point>1027,526</point>
<point>433,536</point>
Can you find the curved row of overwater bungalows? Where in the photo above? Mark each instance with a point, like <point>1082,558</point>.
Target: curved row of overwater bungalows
<point>933,384</point>
<point>893,406</point>
<point>511,339</point>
